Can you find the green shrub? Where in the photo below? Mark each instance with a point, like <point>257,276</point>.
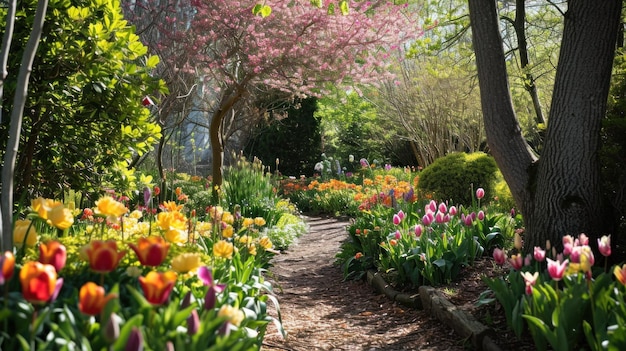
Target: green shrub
<point>456,176</point>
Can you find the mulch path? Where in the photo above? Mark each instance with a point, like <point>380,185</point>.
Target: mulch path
<point>320,311</point>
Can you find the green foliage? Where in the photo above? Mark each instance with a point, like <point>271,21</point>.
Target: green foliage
<point>457,175</point>
<point>248,187</point>
<point>351,127</point>
<point>287,230</point>
<point>295,141</point>
<point>84,113</point>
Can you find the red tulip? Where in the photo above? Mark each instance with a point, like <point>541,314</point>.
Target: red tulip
<point>151,251</point>
<point>53,253</point>
<point>7,266</point>
<point>39,282</point>
<point>103,256</point>
<point>92,299</point>
<point>157,286</point>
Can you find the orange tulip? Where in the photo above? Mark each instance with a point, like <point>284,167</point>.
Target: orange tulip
<point>39,282</point>
<point>92,299</point>
<point>157,286</point>
<point>103,256</point>
<point>7,264</point>
<point>53,253</point>
<point>151,251</point>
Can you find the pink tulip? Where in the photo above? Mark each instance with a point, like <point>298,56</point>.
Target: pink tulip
<point>418,230</point>
<point>604,245</point>
<point>517,261</point>
<point>481,215</point>
<point>539,254</point>
<point>397,235</point>
<point>531,280</point>
<point>443,208</point>
<point>401,215</point>
<point>433,205</point>
<point>583,239</point>
<point>396,219</point>
<point>439,218</point>
<point>556,269</point>
<point>468,220</point>
<point>428,219</point>
<point>499,256</point>
<point>480,193</point>
<point>452,211</point>
<point>528,260</point>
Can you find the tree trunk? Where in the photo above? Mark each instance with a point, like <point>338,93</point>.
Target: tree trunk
<point>568,194</point>
<point>529,82</point>
<point>504,134</point>
<point>561,195</point>
<point>228,101</point>
<point>21,91</point>
<point>4,58</point>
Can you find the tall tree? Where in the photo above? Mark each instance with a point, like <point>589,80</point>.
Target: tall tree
<point>297,48</point>
<point>559,193</point>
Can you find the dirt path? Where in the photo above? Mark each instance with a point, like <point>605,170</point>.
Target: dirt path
<point>322,312</point>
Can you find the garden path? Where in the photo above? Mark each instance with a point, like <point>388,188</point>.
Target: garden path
<point>322,312</point>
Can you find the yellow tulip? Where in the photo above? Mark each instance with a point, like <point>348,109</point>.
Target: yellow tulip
<point>227,217</point>
<point>265,243</point>
<point>108,206</point>
<point>247,222</point>
<point>19,233</point>
<point>186,262</point>
<point>41,206</point>
<point>223,249</point>
<point>228,231</point>
<point>234,315</point>
<point>259,221</point>
<point>60,217</point>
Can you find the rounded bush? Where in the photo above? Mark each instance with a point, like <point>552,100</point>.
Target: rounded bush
<point>456,176</point>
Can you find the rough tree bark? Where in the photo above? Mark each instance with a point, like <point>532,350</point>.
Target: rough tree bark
<point>560,193</point>
<point>21,90</point>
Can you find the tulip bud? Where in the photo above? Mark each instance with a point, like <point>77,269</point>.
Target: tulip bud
<point>111,331</point>
<point>135,340</point>
<point>193,323</point>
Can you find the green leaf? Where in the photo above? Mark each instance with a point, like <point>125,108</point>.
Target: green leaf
<point>266,11</point>
<point>343,5</point>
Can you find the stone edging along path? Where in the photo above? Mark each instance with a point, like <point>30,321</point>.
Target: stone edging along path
<point>322,312</point>
<point>433,301</point>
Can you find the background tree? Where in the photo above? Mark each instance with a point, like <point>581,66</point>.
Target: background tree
<point>559,193</point>
<point>297,49</point>
<point>292,136</point>
<point>83,118</point>
<point>351,126</point>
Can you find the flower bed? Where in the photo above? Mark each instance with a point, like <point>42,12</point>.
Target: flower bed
<point>152,278</point>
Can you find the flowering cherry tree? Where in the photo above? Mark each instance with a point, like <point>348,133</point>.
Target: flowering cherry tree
<point>295,48</point>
